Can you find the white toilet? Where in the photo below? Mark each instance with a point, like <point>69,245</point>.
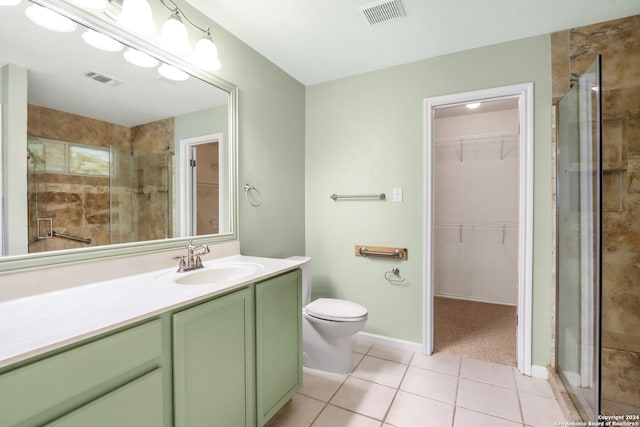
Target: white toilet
<point>328,325</point>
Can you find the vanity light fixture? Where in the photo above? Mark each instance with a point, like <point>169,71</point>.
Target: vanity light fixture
<point>174,37</point>
<point>172,73</point>
<point>140,59</point>
<point>473,105</point>
<point>136,16</point>
<point>174,34</point>
<point>101,41</point>
<point>49,19</point>
<point>9,2</point>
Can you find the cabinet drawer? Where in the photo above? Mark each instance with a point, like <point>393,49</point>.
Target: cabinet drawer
<point>32,389</point>
<point>138,403</point>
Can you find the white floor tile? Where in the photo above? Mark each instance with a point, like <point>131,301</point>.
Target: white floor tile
<point>356,358</point>
<point>468,418</point>
<point>540,411</point>
<point>487,372</point>
<point>319,384</point>
<point>531,385</point>
<point>337,417</point>
<point>445,363</point>
<point>489,399</point>
<point>364,397</point>
<point>392,354</point>
<point>433,385</point>
<point>409,410</point>
<point>380,371</point>
<point>300,412</point>
<point>360,347</point>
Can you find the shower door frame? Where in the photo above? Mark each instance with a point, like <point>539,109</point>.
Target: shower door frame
<point>524,94</point>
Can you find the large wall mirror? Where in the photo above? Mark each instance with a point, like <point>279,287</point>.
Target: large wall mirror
<point>104,153</point>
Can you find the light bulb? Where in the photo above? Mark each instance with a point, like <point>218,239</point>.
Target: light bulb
<point>101,41</point>
<point>9,2</point>
<point>49,19</point>
<point>206,54</point>
<point>136,16</point>
<point>140,59</point>
<point>172,73</point>
<point>174,35</point>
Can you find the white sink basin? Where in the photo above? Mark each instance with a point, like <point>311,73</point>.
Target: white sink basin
<point>217,273</point>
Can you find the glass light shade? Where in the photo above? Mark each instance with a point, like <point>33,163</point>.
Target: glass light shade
<point>174,35</point>
<point>9,2</point>
<point>101,41</point>
<point>140,59</point>
<point>92,4</point>
<point>47,18</point>
<point>206,54</point>
<point>136,16</point>
<point>172,73</point>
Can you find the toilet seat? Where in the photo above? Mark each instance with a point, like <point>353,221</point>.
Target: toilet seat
<point>337,310</point>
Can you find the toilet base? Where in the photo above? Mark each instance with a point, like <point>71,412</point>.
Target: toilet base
<point>326,353</point>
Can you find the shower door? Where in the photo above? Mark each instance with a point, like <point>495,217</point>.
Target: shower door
<point>579,242</point>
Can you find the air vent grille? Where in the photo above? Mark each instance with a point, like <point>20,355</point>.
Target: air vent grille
<point>382,11</point>
<point>101,78</point>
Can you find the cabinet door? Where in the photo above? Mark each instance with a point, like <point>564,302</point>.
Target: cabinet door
<point>139,403</point>
<point>213,363</point>
<point>278,342</point>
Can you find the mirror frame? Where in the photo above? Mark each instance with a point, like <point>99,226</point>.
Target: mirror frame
<point>15,263</point>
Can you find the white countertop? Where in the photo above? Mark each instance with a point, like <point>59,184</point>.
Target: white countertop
<point>36,324</point>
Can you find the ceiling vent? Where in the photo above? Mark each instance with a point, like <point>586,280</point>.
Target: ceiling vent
<point>101,78</point>
<point>382,11</point>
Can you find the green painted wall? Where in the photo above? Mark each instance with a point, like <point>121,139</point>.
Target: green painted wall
<point>364,134</point>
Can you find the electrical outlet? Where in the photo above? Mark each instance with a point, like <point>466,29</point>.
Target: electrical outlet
<point>397,194</point>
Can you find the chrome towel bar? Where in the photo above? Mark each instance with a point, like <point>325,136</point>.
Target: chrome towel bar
<point>380,196</point>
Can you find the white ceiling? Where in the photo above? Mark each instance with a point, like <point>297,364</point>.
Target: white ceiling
<point>321,40</point>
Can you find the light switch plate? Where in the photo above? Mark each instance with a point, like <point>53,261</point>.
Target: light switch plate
<point>397,194</point>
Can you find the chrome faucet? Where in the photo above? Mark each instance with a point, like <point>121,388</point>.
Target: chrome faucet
<point>191,260</point>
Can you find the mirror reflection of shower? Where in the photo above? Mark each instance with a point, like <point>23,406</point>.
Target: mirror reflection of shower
<point>84,195</point>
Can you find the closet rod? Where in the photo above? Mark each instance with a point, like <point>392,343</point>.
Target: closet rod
<point>474,138</point>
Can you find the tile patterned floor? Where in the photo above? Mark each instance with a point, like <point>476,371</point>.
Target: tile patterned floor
<point>392,388</point>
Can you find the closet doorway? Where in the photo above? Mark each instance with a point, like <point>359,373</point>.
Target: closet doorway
<point>478,161</point>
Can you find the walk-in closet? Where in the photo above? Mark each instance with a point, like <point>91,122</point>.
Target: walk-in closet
<point>476,229</point>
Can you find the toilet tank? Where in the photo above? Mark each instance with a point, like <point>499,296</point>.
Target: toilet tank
<point>306,277</point>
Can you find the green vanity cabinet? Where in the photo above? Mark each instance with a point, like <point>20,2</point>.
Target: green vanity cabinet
<point>74,385</point>
<point>278,343</point>
<point>213,350</point>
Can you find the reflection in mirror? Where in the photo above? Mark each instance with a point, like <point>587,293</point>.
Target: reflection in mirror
<point>115,152</point>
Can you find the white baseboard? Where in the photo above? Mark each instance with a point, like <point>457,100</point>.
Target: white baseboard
<point>374,339</point>
<point>539,372</point>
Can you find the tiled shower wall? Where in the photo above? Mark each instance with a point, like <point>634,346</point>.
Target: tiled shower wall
<point>132,207</point>
<point>573,51</point>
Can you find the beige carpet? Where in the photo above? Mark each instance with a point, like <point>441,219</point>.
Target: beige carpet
<point>475,329</point>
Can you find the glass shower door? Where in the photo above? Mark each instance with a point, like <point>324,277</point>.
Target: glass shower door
<point>579,242</point>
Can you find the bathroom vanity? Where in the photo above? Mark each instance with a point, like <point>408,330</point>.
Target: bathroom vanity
<point>220,346</point>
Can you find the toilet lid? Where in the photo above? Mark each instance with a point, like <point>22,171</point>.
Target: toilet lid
<point>335,309</point>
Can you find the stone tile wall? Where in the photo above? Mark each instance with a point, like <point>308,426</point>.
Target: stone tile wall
<point>573,51</point>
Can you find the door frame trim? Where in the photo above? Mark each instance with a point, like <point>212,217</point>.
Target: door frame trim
<point>524,94</point>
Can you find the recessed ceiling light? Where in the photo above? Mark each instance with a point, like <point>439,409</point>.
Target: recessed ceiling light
<point>172,73</point>
<point>9,2</point>
<point>473,105</point>
<point>101,41</point>
<point>140,59</point>
<point>49,19</point>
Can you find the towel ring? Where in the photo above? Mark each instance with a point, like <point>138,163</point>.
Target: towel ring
<point>254,201</point>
